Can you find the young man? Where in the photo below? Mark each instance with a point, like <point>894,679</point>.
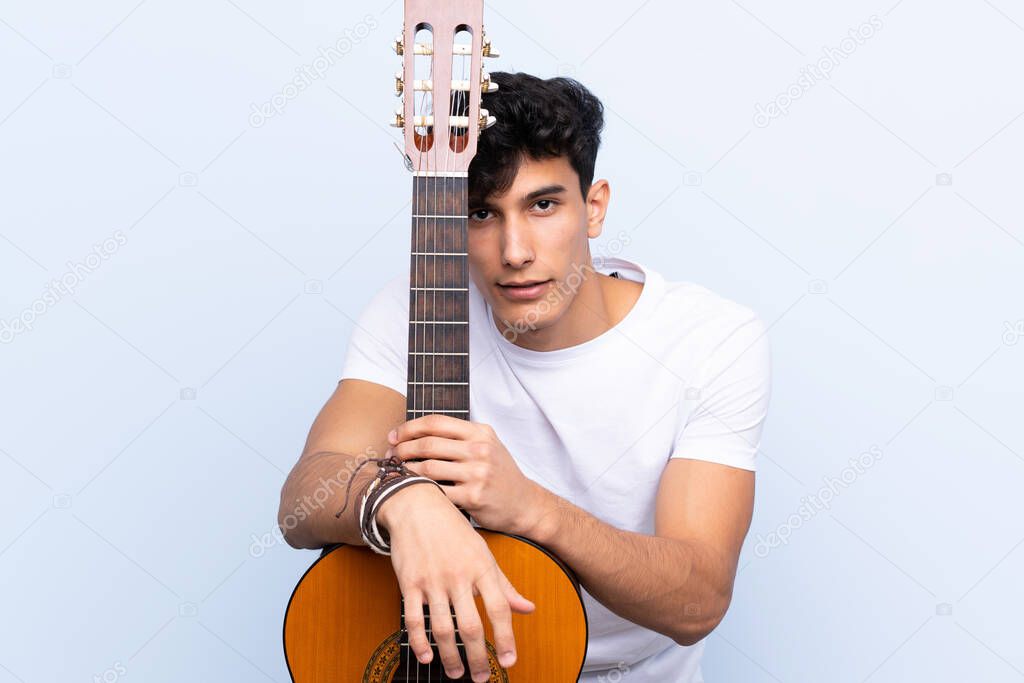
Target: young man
<point>615,416</point>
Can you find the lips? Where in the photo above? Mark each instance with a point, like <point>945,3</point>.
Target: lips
<point>523,292</point>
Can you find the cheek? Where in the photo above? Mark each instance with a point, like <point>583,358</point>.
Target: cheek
<point>483,251</point>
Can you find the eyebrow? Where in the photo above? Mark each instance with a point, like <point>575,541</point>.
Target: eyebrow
<point>547,189</point>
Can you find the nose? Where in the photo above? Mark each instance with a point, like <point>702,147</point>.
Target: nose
<point>516,245</point>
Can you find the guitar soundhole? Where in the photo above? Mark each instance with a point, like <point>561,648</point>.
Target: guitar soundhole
<point>388,665</point>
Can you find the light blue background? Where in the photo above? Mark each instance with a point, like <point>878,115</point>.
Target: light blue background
<point>132,513</point>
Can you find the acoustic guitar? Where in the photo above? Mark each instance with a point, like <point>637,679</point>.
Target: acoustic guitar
<point>345,620</point>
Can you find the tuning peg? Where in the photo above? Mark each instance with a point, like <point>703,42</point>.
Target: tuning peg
<point>487,50</point>
<point>399,83</point>
<point>399,120</point>
<point>486,84</point>
<point>486,120</point>
<point>399,45</point>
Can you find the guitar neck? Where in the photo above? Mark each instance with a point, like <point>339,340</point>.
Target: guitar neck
<point>438,370</point>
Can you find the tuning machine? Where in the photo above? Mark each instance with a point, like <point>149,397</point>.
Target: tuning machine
<point>486,84</point>
<point>486,49</point>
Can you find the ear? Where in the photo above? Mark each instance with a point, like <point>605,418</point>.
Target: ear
<point>597,205</point>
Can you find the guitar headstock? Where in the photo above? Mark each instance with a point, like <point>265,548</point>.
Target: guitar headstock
<point>442,47</point>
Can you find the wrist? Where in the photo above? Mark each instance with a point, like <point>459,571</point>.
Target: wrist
<point>546,521</point>
<point>404,502</point>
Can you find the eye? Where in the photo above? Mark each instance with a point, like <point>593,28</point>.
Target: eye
<point>545,201</point>
<point>474,215</point>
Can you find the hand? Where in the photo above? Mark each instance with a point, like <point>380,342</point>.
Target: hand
<point>487,483</point>
<point>442,561</point>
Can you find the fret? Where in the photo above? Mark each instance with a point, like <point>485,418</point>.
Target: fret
<point>425,411</point>
<point>434,305</point>
<point>440,253</point>
<point>433,272</point>
<point>461,384</point>
<point>440,322</point>
<point>423,369</point>
<point>437,215</point>
<point>444,198</point>
<point>438,337</point>
<point>440,289</point>
<point>438,353</point>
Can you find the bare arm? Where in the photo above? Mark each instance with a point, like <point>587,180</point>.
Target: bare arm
<point>677,582</point>
<point>353,424</point>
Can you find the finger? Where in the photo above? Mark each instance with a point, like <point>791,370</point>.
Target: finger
<point>441,425</point>
<point>499,613</point>
<point>471,630</point>
<point>454,493</point>
<point>431,446</point>
<point>439,470</point>
<point>442,630</point>
<point>418,642</point>
<point>516,600</point>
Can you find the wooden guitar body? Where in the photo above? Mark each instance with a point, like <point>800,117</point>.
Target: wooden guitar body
<point>343,622</point>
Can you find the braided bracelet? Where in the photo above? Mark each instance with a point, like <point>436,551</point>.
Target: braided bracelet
<point>378,540</point>
<point>370,540</point>
<point>392,476</point>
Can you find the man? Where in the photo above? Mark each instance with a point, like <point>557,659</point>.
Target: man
<point>615,416</point>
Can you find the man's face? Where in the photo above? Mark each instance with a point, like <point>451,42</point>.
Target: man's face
<point>537,231</point>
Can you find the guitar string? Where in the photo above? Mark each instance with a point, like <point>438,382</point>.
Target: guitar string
<point>453,105</point>
<point>432,250</point>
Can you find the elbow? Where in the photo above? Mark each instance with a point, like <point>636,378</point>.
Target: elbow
<point>296,534</point>
<point>291,537</point>
<point>697,624</point>
<point>292,524</point>
<point>691,636</point>
<point>287,526</point>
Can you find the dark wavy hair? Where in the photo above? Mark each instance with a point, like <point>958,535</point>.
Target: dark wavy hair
<point>539,118</point>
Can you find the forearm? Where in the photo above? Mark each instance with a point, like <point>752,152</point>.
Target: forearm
<point>676,587</point>
<point>313,494</point>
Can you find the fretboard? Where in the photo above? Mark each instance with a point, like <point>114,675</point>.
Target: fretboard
<point>438,375</point>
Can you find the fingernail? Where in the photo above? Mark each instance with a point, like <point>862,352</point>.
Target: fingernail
<point>392,435</point>
<point>507,658</point>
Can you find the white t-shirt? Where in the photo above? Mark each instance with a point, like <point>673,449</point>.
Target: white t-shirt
<point>685,374</point>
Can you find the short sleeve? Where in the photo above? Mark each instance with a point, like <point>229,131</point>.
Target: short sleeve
<point>378,347</point>
<point>728,402</point>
